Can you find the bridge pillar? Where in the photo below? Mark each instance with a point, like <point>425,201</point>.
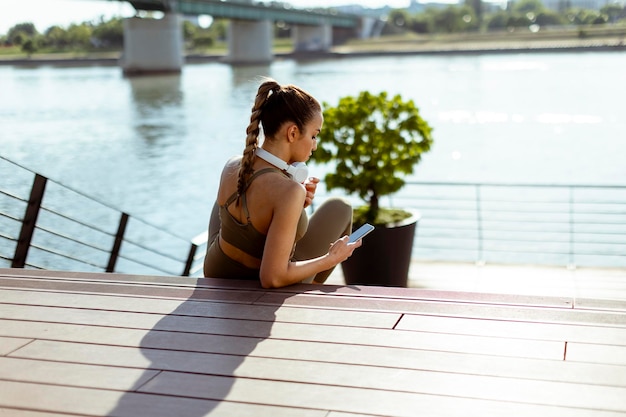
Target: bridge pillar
<point>153,45</point>
<point>312,38</point>
<point>250,42</point>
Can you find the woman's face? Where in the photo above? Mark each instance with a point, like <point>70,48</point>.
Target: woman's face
<point>307,142</point>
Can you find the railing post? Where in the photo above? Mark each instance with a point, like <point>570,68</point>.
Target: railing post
<point>196,242</point>
<point>29,222</point>
<point>119,237</point>
<point>572,264</point>
<point>192,254</point>
<point>479,227</point>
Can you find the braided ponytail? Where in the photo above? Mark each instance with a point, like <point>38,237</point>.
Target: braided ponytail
<point>252,131</point>
<point>273,106</point>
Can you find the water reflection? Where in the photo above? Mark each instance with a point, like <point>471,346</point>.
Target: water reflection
<point>158,104</point>
<point>244,75</point>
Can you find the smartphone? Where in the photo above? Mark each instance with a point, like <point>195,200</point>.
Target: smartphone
<point>360,232</point>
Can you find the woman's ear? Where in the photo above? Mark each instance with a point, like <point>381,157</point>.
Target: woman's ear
<point>292,132</point>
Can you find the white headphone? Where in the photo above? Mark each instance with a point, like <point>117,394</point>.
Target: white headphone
<point>298,170</point>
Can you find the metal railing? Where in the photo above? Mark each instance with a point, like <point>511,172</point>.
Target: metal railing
<point>51,226</point>
<point>569,225</point>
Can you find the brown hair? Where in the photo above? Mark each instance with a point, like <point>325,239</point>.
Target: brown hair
<point>273,106</point>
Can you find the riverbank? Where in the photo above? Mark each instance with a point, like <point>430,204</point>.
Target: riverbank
<point>549,42</point>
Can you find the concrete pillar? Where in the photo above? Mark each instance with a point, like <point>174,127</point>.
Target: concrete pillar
<point>153,45</point>
<point>312,38</point>
<point>250,42</point>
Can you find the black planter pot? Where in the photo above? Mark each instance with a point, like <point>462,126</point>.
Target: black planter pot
<point>385,256</point>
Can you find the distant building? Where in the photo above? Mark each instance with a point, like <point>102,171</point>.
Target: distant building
<point>418,6</point>
<point>577,4</point>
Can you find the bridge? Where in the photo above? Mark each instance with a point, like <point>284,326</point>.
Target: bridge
<point>238,9</point>
<point>249,37</point>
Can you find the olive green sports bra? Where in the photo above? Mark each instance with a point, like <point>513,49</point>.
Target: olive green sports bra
<point>245,236</point>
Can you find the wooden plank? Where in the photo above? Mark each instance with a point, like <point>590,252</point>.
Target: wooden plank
<point>73,374</point>
<point>286,292</point>
<point>172,292</point>
<point>466,393</point>
<point>396,306</point>
<point>452,309</point>
<point>142,280</point>
<point>585,352</point>
<point>340,414</point>
<point>10,344</point>
<point>201,309</point>
<point>327,363</point>
<point>174,323</point>
<point>262,330</point>
<point>13,412</point>
<point>129,337</point>
<point>433,295</point>
<point>500,412</point>
<point>94,402</point>
<point>514,329</point>
<point>601,304</point>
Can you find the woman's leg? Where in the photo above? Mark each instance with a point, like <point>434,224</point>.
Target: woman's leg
<point>329,222</point>
<point>214,223</point>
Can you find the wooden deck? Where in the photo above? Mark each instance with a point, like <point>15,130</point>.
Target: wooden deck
<point>117,345</point>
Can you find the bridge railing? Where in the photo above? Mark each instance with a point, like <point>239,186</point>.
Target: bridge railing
<point>47,225</point>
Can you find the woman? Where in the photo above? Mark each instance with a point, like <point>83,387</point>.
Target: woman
<point>259,213</point>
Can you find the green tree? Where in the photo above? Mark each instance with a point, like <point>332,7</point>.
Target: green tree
<point>528,6</point>
<point>422,23</point>
<point>189,30</point>
<point>56,37</point>
<point>498,20</point>
<point>374,140</point>
<point>550,18</point>
<point>79,36</point>
<point>477,8</point>
<point>586,17</point>
<point>219,29</point>
<point>517,20</point>
<point>399,18</point>
<point>109,34</point>
<point>29,47</point>
<point>202,40</point>
<point>455,19</point>
<point>614,12</point>
<point>20,33</point>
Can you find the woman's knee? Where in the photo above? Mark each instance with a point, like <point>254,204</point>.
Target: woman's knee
<point>338,206</point>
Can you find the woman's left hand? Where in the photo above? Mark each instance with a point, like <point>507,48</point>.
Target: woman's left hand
<point>310,185</point>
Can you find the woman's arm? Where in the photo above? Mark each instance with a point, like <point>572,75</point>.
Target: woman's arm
<point>276,268</point>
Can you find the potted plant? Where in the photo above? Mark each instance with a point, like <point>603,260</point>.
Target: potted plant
<point>375,141</point>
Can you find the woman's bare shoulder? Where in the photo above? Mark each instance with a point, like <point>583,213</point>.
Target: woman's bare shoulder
<point>232,166</point>
<point>287,190</point>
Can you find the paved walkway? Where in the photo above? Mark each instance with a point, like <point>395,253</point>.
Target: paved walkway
<point>582,282</point>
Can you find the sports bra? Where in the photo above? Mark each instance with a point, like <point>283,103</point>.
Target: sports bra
<point>245,236</point>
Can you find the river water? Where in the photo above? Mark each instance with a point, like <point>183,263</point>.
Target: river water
<point>154,146</point>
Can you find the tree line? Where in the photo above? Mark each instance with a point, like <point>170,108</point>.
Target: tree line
<point>478,16</point>
<point>102,35</point>
<point>470,16</point>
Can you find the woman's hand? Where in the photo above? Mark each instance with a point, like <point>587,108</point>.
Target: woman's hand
<point>310,185</point>
<point>341,250</point>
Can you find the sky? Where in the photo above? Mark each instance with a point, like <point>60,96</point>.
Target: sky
<point>46,13</point>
